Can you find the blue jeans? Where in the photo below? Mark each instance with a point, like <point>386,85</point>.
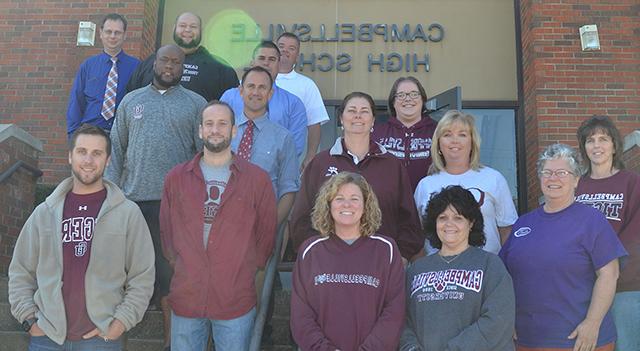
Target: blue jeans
<point>43,343</point>
<point>626,316</point>
<point>228,335</point>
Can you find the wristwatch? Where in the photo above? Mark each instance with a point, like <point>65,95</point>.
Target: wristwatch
<point>28,323</point>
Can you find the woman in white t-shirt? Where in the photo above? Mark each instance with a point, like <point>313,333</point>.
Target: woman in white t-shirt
<point>456,161</point>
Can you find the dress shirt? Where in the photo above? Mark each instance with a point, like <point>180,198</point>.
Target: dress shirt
<point>87,93</point>
<point>273,151</point>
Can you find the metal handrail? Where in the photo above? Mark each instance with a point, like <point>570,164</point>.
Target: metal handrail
<point>16,166</point>
<point>267,290</point>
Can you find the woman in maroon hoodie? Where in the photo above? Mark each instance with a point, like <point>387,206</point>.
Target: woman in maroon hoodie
<point>348,282</point>
<point>408,132</point>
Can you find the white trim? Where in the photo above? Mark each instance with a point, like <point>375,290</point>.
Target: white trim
<point>388,243</point>
<point>311,245</point>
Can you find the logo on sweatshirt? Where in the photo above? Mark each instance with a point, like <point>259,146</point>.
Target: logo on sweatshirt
<point>439,280</point>
<point>137,111</point>
<point>331,171</point>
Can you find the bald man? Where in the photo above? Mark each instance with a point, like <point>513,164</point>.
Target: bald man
<point>156,128</point>
<point>203,73</point>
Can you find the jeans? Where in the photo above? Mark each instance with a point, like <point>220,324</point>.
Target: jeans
<point>228,335</point>
<point>626,316</point>
<point>43,343</point>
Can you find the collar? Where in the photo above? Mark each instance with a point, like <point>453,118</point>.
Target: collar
<point>107,58</point>
<point>237,164</point>
<point>259,122</point>
<point>339,149</point>
<point>114,194</point>
<point>423,122</point>
<point>290,75</point>
<point>153,87</point>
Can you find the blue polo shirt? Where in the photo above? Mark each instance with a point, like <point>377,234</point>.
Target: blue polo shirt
<point>284,109</point>
<point>87,93</point>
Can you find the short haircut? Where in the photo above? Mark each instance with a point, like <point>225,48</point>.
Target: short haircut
<point>289,35</point>
<point>357,94</point>
<point>191,13</point>
<point>560,152</point>
<point>602,124</point>
<point>267,45</point>
<point>218,103</point>
<point>394,90</point>
<point>449,118</point>
<point>114,17</point>
<point>257,69</point>
<point>88,129</point>
<point>465,204</point>
<point>321,218</point>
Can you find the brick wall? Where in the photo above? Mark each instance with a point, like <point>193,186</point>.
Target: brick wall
<point>563,85</point>
<point>18,193</point>
<point>39,58</point>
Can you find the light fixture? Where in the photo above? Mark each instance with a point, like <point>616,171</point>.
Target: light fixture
<point>86,34</point>
<point>589,38</point>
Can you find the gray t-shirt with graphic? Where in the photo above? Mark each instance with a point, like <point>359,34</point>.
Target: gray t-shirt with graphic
<point>215,179</point>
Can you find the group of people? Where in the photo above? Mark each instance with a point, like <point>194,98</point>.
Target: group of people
<point>209,167</point>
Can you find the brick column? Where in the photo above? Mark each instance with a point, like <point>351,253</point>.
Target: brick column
<point>18,190</point>
<point>564,85</point>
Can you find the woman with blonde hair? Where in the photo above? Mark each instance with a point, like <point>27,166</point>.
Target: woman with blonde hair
<point>456,161</point>
<point>348,282</point>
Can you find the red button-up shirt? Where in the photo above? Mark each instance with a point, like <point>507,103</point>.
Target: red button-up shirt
<point>216,282</point>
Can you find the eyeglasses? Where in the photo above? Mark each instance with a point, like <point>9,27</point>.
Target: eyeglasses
<point>560,173</point>
<point>412,94</point>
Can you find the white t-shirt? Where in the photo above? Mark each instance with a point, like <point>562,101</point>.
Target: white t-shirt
<point>489,188</point>
<point>306,90</point>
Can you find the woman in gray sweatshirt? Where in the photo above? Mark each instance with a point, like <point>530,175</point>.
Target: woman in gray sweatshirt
<point>460,298</point>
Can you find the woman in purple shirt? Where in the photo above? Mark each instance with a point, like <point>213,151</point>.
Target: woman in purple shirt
<point>608,187</point>
<point>563,258</point>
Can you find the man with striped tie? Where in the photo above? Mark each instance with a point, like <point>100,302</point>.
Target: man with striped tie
<point>100,82</point>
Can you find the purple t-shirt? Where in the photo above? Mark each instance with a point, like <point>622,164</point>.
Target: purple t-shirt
<point>553,259</point>
<point>78,221</point>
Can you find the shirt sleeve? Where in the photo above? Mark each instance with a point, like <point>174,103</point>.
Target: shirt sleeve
<point>77,103</point>
<point>22,270</point>
<point>298,124</point>
<point>386,331</point>
<point>300,223</point>
<point>410,239</point>
<point>602,244</point>
<point>166,226</point>
<point>288,177</point>
<point>266,224</point>
<point>506,213</point>
<point>496,323</point>
<point>119,142</point>
<point>316,111</point>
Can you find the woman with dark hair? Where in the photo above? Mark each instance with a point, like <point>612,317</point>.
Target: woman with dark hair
<point>356,152</point>
<point>608,187</point>
<point>460,298</point>
<point>408,132</point>
<point>563,258</point>
<point>348,282</point>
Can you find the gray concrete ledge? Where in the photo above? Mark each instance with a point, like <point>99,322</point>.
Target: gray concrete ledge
<point>12,130</point>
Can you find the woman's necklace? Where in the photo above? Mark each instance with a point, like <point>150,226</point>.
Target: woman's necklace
<point>452,258</point>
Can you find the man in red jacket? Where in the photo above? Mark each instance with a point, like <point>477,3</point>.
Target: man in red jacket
<point>218,226</point>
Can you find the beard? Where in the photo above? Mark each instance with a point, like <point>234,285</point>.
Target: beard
<point>175,81</point>
<point>190,45</point>
<point>217,147</point>
<point>87,180</point>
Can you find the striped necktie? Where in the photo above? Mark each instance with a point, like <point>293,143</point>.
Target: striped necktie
<point>109,103</point>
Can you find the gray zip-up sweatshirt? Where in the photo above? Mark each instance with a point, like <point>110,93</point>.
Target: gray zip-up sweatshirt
<point>119,277</point>
<point>152,133</point>
<point>467,304</point>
